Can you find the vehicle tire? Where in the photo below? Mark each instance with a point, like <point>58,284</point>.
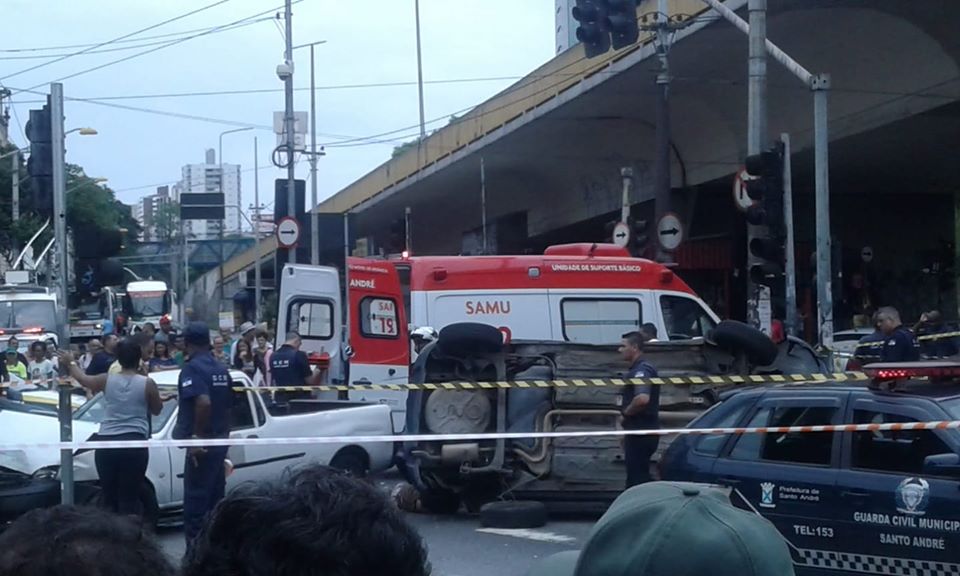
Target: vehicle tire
<point>469,338</point>
<point>513,514</point>
<point>739,337</point>
<point>351,460</point>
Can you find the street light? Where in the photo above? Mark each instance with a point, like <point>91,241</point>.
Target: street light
<point>85,131</point>
<point>222,221</point>
<point>314,226</point>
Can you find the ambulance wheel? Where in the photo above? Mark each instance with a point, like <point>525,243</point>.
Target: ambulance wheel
<point>513,514</point>
<point>469,338</point>
<point>351,460</point>
<point>738,337</point>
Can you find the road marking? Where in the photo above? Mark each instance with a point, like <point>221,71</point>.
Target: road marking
<point>535,535</point>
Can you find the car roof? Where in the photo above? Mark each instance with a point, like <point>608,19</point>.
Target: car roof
<point>168,378</point>
<point>905,389</point>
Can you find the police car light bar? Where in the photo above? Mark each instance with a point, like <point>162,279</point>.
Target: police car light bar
<point>905,370</point>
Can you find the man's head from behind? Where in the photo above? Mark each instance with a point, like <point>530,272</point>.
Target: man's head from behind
<point>314,521</point>
<point>888,319</point>
<point>196,338</point>
<point>631,346</point>
<point>293,339</point>
<point>81,542</point>
<point>675,528</point>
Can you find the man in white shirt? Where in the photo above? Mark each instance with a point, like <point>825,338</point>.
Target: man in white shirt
<point>41,370</point>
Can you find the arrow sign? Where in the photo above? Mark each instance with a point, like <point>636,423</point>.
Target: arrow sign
<point>288,232</point>
<point>669,232</point>
<point>621,234</point>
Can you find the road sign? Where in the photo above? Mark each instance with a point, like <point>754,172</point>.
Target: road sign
<point>669,231</point>
<point>741,199</point>
<point>621,234</point>
<point>866,254</point>
<point>202,206</point>
<point>288,232</point>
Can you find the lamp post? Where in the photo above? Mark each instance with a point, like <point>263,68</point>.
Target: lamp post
<point>222,221</point>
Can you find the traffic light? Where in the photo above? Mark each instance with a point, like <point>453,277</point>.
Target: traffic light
<point>640,235</point>
<point>765,188</point>
<point>99,244</point>
<point>622,23</point>
<point>592,31</point>
<point>40,162</point>
<point>94,250</point>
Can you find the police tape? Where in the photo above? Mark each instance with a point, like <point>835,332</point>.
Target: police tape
<point>480,436</point>
<point>923,338</point>
<point>809,378</point>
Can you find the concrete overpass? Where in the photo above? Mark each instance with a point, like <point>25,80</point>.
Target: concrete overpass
<point>554,142</point>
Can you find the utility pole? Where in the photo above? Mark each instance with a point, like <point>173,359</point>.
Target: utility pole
<point>258,283</point>
<point>756,130</point>
<point>314,220</point>
<point>791,264</point>
<point>407,231</point>
<point>821,89</point>
<point>15,184</point>
<point>288,122</point>
<point>423,125</point>
<point>483,203</point>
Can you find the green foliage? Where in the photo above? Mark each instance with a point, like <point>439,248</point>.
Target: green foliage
<point>166,222</point>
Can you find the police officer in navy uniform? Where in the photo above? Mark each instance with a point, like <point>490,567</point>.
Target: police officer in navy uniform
<point>641,411</point>
<point>899,344</point>
<point>289,367</point>
<point>205,398</point>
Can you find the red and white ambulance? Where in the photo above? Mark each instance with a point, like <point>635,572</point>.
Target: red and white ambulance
<point>585,293</point>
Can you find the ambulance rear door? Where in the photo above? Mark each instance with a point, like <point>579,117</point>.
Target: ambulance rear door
<point>378,334</point>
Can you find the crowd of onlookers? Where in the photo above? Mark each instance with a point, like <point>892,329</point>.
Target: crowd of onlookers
<point>320,522</point>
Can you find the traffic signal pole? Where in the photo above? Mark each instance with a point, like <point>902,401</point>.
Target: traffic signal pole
<point>60,238</point>
<point>288,123</point>
<point>662,164</point>
<point>790,270</point>
<point>756,136</point>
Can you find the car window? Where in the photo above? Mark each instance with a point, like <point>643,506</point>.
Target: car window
<point>952,407</point>
<point>313,320</point>
<point>240,415</point>
<point>599,320</point>
<point>798,448</point>
<point>684,318</point>
<point>95,411</point>
<point>712,444</point>
<point>894,451</point>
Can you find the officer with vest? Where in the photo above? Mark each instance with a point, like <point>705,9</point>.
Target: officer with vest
<point>289,367</point>
<point>641,411</point>
<point>899,344</point>
<point>205,398</point>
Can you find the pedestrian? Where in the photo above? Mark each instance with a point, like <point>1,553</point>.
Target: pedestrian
<point>166,329</point>
<point>92,348</point>
<point>179,349</point>
<point>161,359</point>
<point>128,399</point>
<point>102,360</point>
<point>289,367</point>
<point>15,370</point>
<point>219,350</point>
<point>41,369</point>
<point>262,354</point>
<point>204,392</point>
<point>649,332</point>
<point>641,407</point>
<point>681,528</point>
<point>935,345</point>
<point>15,344</point>
<point>248,332</point>
<point>149,329</point>
<point>899,344</point>
<point>245,360</point>
<point>318,521</point>
<point>80,541</point>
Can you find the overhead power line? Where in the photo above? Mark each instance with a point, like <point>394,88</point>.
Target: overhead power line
<point>140,44</point>
<point>107,42</point>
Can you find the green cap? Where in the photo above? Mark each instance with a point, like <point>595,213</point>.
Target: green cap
<point>13,351</point>
<point>675,529</point>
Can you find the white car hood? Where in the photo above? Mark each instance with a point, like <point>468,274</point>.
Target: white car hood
<point>19,427</point>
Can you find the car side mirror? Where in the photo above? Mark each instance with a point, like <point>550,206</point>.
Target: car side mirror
<point>942,465</point>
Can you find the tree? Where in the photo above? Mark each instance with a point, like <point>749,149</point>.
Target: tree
<point>166,223</point>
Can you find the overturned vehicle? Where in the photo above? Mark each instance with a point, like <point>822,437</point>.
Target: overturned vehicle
<point>568,469</point>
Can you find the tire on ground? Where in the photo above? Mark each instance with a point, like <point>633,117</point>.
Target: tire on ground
<point>513,514</point>
<point>352,460</point>
<point>737,337</point>
<point>468,338</point>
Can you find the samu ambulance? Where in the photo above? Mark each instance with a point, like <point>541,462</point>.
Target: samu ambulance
<point>581,293</point>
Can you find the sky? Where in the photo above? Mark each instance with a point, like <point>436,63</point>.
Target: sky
<point>490,42</point>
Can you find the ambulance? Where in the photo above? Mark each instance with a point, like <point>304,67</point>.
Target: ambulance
<point>577,293</point>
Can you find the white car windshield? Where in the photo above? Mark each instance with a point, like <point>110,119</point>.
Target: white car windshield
<point>94,411</point>
<point>39,315</point>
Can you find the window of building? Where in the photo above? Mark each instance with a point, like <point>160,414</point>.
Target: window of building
<point>814,448</point>
<point>378,317</point>
<point>685,318</point>
<point>894,451</point>
<point>599,321</point>
<point>312,319</point>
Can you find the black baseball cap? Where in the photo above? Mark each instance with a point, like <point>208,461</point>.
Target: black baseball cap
<point>196,334</point>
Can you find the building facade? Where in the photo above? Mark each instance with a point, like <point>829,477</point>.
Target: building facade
<point>212,177</point>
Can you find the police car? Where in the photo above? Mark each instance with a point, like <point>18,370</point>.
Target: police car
<point>880,502</point>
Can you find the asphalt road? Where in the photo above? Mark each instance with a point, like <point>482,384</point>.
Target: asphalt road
<point>459,547</point>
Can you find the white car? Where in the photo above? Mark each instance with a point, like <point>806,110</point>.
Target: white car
<point>845,345</point>
<point>162,492</point>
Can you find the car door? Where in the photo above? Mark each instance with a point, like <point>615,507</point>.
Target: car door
<point>788,478</point>
<point>894,510</point>
<point>378,334</point>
